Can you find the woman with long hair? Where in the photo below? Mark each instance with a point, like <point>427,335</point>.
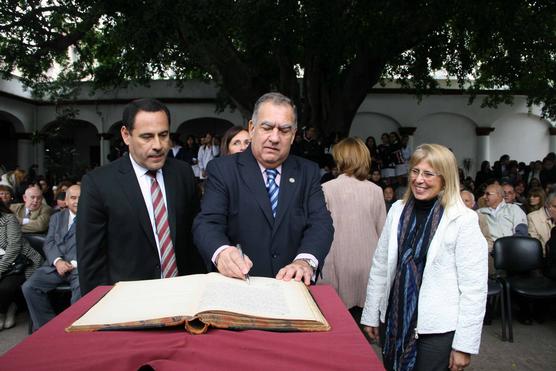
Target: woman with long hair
<point>235,140</point>
<point>535,200</point>
<point>428,282</point>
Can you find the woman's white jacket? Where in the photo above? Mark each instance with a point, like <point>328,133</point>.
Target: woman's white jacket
<point>454,286</point>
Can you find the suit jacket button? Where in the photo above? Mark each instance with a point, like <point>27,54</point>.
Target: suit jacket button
<point>275,256</point>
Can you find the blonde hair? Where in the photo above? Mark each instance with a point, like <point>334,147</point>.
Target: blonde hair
<point>443,161</point>
<point>352,158</point>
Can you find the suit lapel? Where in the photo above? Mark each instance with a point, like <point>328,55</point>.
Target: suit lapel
<point>132,191</point>
<point>289,185</point>
<point>62,227</point>
<point>65,232</point>
<point>170,182</point>
<point>250,173</point>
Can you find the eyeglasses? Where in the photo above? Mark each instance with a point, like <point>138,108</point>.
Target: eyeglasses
<point>427,175</point>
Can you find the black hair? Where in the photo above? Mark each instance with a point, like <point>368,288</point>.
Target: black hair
<point>144,104</point>
<point>4,209</point>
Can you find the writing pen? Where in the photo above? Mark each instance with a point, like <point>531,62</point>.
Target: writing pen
<point>241,252</point>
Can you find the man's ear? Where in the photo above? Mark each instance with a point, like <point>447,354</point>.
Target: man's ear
<point>125,134</point>
<point>293,136</point>
<point>251,127</point>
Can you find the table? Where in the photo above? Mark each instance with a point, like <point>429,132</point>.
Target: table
<point>51,348</point>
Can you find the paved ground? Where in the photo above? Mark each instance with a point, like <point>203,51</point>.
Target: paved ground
<point>534,347</point>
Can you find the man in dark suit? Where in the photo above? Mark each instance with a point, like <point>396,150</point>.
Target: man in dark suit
<point>266,200</point>
<point>60,264</point>
<point>136,213</point>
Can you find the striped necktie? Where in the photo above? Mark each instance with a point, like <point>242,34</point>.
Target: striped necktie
<point>272,189</point>
<point>167,256</point>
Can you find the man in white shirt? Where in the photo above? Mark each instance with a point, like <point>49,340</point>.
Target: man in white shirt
<point>207,152</point>
<point>503,219</point>
<point>60,266</point>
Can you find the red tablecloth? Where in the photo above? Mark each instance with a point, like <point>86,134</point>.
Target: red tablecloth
<point>50,348</point>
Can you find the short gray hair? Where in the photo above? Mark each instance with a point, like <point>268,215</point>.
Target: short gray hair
<point>550,197</point>
<point>277,99</point>
<point>471,193</point>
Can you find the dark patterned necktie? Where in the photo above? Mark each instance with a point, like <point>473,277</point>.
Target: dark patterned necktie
<point>272,189</point>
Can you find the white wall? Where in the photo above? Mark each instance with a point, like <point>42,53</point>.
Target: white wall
<point>372,124</point>
<point>453,131</point>
<point>451,121</point>
<point>523,137</point>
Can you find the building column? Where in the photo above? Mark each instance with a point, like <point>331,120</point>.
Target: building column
<point>39,156</point>
<point>409,131</point>
<point>552,142</point>
<point>483,144</point>
<point>24,150</point>
<point>104,147</point>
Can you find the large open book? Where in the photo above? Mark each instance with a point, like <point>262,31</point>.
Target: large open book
<point>202,300</point>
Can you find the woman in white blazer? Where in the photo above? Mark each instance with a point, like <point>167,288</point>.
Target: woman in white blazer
<point>428,282</point>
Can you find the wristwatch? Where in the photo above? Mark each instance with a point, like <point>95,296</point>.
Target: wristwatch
<point>311,263</point>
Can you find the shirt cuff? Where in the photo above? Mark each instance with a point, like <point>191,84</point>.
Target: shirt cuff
<point>217,252</point>
<point>314,260</point>
<point>56,260</point>
<point>311,257</point>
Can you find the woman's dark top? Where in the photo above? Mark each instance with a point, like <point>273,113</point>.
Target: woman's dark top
<point>422,209</point>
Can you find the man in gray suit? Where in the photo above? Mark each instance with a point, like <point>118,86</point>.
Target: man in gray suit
<point>60,265</point>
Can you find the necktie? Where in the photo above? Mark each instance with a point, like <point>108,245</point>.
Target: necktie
<point>272,189</point>
<point>71,229</point>
<point>167,256</point>
<point>72,223</point>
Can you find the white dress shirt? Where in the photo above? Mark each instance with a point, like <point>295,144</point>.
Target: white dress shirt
<point>145,183</point>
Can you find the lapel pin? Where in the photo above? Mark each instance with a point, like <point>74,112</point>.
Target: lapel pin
<point>292,180</point>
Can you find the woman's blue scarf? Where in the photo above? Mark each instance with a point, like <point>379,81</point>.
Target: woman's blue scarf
<point>400,343</point>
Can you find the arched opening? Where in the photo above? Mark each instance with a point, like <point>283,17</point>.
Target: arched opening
<point>71,148</point>
<point>8,141</point>
<point>200,126</point>
<point>372,124</point>
<point>117,145</point>
<point>454,131</point>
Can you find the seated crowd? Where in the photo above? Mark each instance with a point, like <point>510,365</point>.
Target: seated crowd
<point>361,182</point>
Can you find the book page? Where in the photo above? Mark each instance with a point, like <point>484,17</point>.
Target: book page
<point>146,300</point>
<point>262,297</point>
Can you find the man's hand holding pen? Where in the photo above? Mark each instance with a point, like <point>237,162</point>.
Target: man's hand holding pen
<point>231,262</point>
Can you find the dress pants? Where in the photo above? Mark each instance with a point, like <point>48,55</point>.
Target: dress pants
<point>36,289</point>
<point>433,351</point>
<point>9,289</point>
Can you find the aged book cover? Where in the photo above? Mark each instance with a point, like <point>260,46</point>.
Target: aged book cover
<point>202,300</point>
